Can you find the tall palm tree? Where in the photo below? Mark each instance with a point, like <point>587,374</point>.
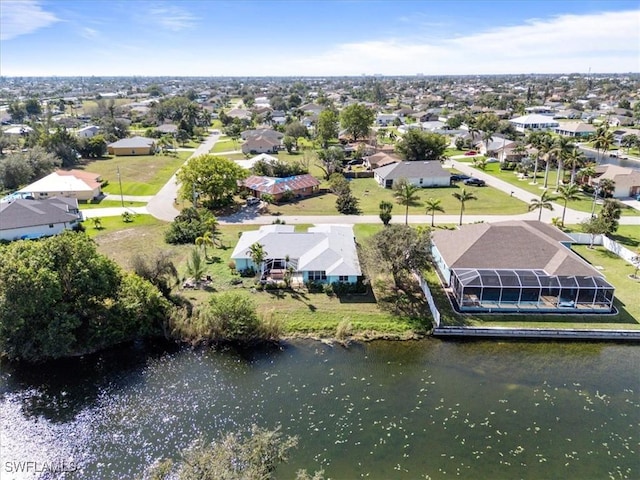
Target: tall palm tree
<point>546,150</point>
<point>588,171</point>
<point>473,129</point>
<point>433,206</point>
<point>543,202</point>
<point>536,160</point>
<point>487,136</point>
<point>603,140</point>
<point>568,193</point>
<point>205,240</point>
<point>258,256</point>
<point>575,160</point>
<point>406,194</point>
<point>562,148</point>
<point>463,196</point>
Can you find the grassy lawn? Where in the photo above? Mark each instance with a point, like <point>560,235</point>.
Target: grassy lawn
<point>301,312</point>
<point>226,146</point>
<point>627,235</point>
<point>615,270</point>
<point>371,194</point>
<point>109,203</point>
<point>583,204</point>
<point>141,175</point>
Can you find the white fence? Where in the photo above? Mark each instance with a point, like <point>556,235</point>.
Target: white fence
<point>606,242</point>
<point>432,304</point>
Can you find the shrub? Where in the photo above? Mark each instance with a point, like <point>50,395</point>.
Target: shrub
<point>232,265</point>
<point>343,330</point>
<point>232,316</point>
<point>328,289</point>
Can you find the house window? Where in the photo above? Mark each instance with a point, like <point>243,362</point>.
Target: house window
<point>343,278</point>
<point>51,225</point>
<point>420,181</point>
<point>315,275</point>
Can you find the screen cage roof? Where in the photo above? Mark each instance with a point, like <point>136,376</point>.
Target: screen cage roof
<point>505,278</point>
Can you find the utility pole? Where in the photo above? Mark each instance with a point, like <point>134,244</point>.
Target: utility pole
<point>120,182</point>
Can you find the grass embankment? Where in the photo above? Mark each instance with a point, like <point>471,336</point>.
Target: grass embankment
<point>300,312</point>
<point>140,174</point>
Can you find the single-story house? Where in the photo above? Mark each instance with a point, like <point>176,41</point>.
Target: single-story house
<point>261,144</point>
<point>167,129</point>
<point>620,121</point>
<point>627,180</point>
<point>88,131</point>
<point>495,147</point>
<point>18,130</point>
<point>76,184</point>
<point>132,146</point>
<point>28,219</point>
<point>263,157</point>
<point>325,253</point>
<point>518,266</point>
<point>379,159</point>
<point>386,119</point>
<point>239,113</point>
<point>262,132</point>
<point>575,129</point>
<point>534,122</point>
<point>298,186</point>
<point>420,174</point>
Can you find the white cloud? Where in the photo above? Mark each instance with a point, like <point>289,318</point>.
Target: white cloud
<point>89,33</point>
<point>172,18</point>
<point>20,17</point>
<point>606,42</point>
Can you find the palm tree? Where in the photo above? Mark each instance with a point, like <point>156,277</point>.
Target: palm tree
<point>463,196</point>
<point>568,193</point>
<point>575,159</point>
<point>487,136</point>
<point>606,186</point>
<point>588,171</point>
<point>195,267</point>
<point>543,202</point>
<point>562,148</point>
<point>258,256</point>
<point>546,150</point>
<point>473,129</point>
<point>204,240</point>
<point>406,194</point>
<point>433,206</point>
<point>603,140</point>
<point>536,158</point>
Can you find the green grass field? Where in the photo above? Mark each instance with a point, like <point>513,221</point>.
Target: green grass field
<point>110,203</point>
<point>583,204</point>
<point>226,146</point>
<point>140,175</point>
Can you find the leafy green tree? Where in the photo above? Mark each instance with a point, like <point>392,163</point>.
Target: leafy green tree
<point>159,270</point>
<point>543,202</point>
<point>190,224</point>
<point>347,204</point>
<point>215,177</point>
<point>330,161</point>
<point>15,172</point>
<point>94,147</point>
<point>610,214</point>
<point>433,205</point>
<point>594,225</point>
<point>568,193</point>
<point>463,197</point>
<point>400,249</point>
<point>385,211</point>
<point>357,120</point>
<point>17,112</point>
<point>405,194</point>
<point>59,297</point>
<point>296,130</point>
<point>32,107</point>
<point>338,184</point>
<point>327,127</point>
<point>418,145</point>
<point>289,143</point>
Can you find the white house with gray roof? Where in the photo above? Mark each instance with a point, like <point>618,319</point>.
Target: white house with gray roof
<point>325,253</point>
<point>420,174</point>
<point>29,219</point>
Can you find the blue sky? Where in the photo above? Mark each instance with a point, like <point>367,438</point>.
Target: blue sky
<point>320,38</point>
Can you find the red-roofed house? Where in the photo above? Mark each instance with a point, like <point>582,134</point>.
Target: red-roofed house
<point>298,185</point>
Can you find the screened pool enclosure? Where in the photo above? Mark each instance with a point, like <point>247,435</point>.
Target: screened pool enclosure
<point>529,290</point>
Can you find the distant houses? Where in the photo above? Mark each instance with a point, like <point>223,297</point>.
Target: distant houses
<point>132,146</point>
<point>420,174</point>
<point>534,123</point>
<point>29,219</point>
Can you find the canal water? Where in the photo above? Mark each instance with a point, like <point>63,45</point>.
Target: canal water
<point>385,410</point>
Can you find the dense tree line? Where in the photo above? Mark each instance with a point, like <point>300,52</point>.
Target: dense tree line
<point>59,297</point>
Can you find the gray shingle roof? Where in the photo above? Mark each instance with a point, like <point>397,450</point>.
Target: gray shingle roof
<point>412,170</point>
<point>29,213</point>
<point>511,245</point>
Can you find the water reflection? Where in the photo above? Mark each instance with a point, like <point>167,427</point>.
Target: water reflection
<point>382,410</point>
